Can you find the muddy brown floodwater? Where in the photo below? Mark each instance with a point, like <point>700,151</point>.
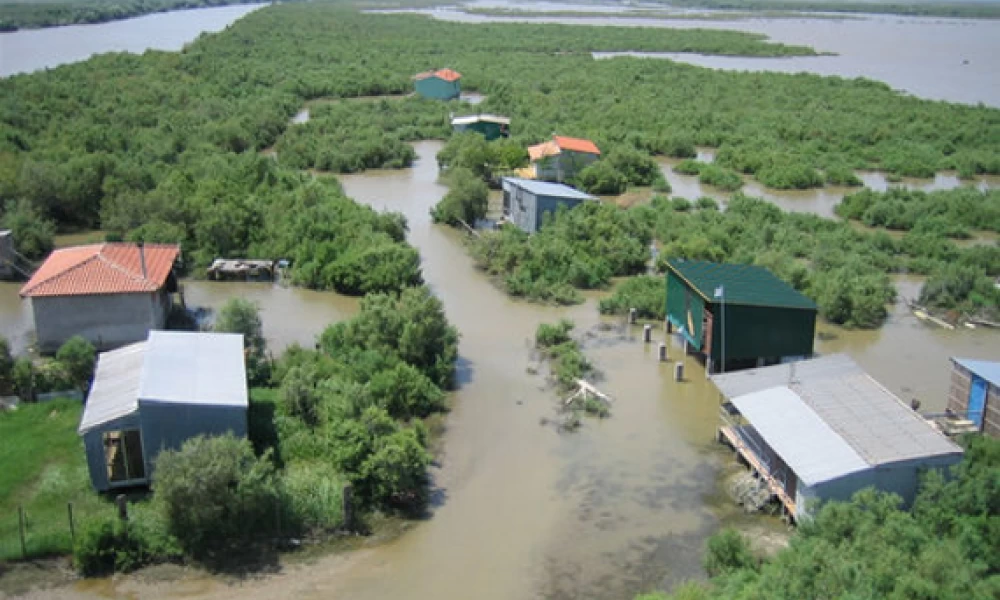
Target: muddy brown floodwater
<point>521,511</point>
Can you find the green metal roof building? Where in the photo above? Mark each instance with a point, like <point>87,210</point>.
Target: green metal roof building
<point>443,84</point>
<point>740,314</point>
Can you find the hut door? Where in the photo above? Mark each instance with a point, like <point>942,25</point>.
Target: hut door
<point>706,328</point>
<point>123,456</point>
<point>977,401</point>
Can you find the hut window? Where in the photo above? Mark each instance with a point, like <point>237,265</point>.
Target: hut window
<point>123,455</point>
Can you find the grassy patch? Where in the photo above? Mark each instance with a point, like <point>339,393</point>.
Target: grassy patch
<point>44,468</point>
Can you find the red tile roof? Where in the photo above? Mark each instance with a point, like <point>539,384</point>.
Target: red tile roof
<point>575,144</point>
<point>102,269</point>
<point>542,150</point>
<point>445,74</point>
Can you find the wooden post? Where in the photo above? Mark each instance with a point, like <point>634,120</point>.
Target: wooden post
<point>121,501</point>
<point>647,333</point>
<point>663,352</point>
<point>72,529</point>
<point>709,365</point>
<point>20,522</point>
<point>670,326</point>
<point>631,316</point>
<point>679,371</point>
<point>348,507</point>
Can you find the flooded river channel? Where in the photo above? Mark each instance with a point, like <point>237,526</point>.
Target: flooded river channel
<point>522,511</point>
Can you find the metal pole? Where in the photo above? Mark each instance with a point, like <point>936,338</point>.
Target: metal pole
<point>20,520</point>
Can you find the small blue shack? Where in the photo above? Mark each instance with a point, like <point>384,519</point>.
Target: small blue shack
<point>525,202</point>
<point>155,395</point>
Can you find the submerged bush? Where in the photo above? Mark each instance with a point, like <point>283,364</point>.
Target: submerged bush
<point>645,293</point>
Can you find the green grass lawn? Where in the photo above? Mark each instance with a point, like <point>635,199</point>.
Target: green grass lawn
<point>42,468</point>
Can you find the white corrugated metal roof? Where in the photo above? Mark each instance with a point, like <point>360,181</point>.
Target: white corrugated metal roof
<point>544,188</point>
<point>115,391</point>
<point>171,366</point>
<point>868,417</point>
<point>194,368</point>
<point>470,119</point>
<point>810,447</point>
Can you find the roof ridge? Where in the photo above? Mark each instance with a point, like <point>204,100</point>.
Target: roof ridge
<point>138,277</point>
<point>100,248</point>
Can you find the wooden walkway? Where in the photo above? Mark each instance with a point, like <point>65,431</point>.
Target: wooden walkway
<point>736,441</point>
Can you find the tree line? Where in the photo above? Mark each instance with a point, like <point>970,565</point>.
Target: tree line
<point>845,270</point>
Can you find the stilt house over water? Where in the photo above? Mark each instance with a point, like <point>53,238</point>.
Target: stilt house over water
<point>443,84</point>
<point>975,393</point>
<point>823,429</point>
<point>740,315</point>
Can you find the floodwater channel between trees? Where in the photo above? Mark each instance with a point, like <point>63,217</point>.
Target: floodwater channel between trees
<point>522,511</point>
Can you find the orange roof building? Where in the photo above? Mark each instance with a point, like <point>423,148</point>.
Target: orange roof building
<point>111,294</point>
<point>562,157</point>
<point>442,84</point>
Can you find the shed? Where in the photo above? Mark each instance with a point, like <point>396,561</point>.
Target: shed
<point>562,158</point>
<point>111,294</point>
<point>823,429</point>
<point>442,84</point>
<point>738,314</point>
<point>975,393</point>
<point>154,395</point>
<point>525,202</point>
<point>489,126</point>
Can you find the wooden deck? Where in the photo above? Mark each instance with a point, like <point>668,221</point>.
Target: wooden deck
<point>734,439</point>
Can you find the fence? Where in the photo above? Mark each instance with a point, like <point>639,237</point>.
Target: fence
<point>30,531</point>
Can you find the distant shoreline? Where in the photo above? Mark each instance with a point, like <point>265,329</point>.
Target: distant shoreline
<point>15,16</point>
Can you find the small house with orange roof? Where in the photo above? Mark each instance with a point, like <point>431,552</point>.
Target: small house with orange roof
<point>562,157</point>
<point>110,294</point>
<point>443,84</point>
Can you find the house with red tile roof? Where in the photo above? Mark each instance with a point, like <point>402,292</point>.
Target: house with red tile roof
<point>111,294</point>
<point>443,84</point>
<point>562,157</point>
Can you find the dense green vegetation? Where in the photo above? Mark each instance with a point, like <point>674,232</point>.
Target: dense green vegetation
<point>947,548</point>
<point>647,294</point>
<point>952,213</point>
<point>710,173</point>
<point>466,201</point>
<point>71,369</point>
<point>162,146</point>
<point>844,270</point>
<point>352,135</point>
<point>355,402</point>
<point>242,316</point>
